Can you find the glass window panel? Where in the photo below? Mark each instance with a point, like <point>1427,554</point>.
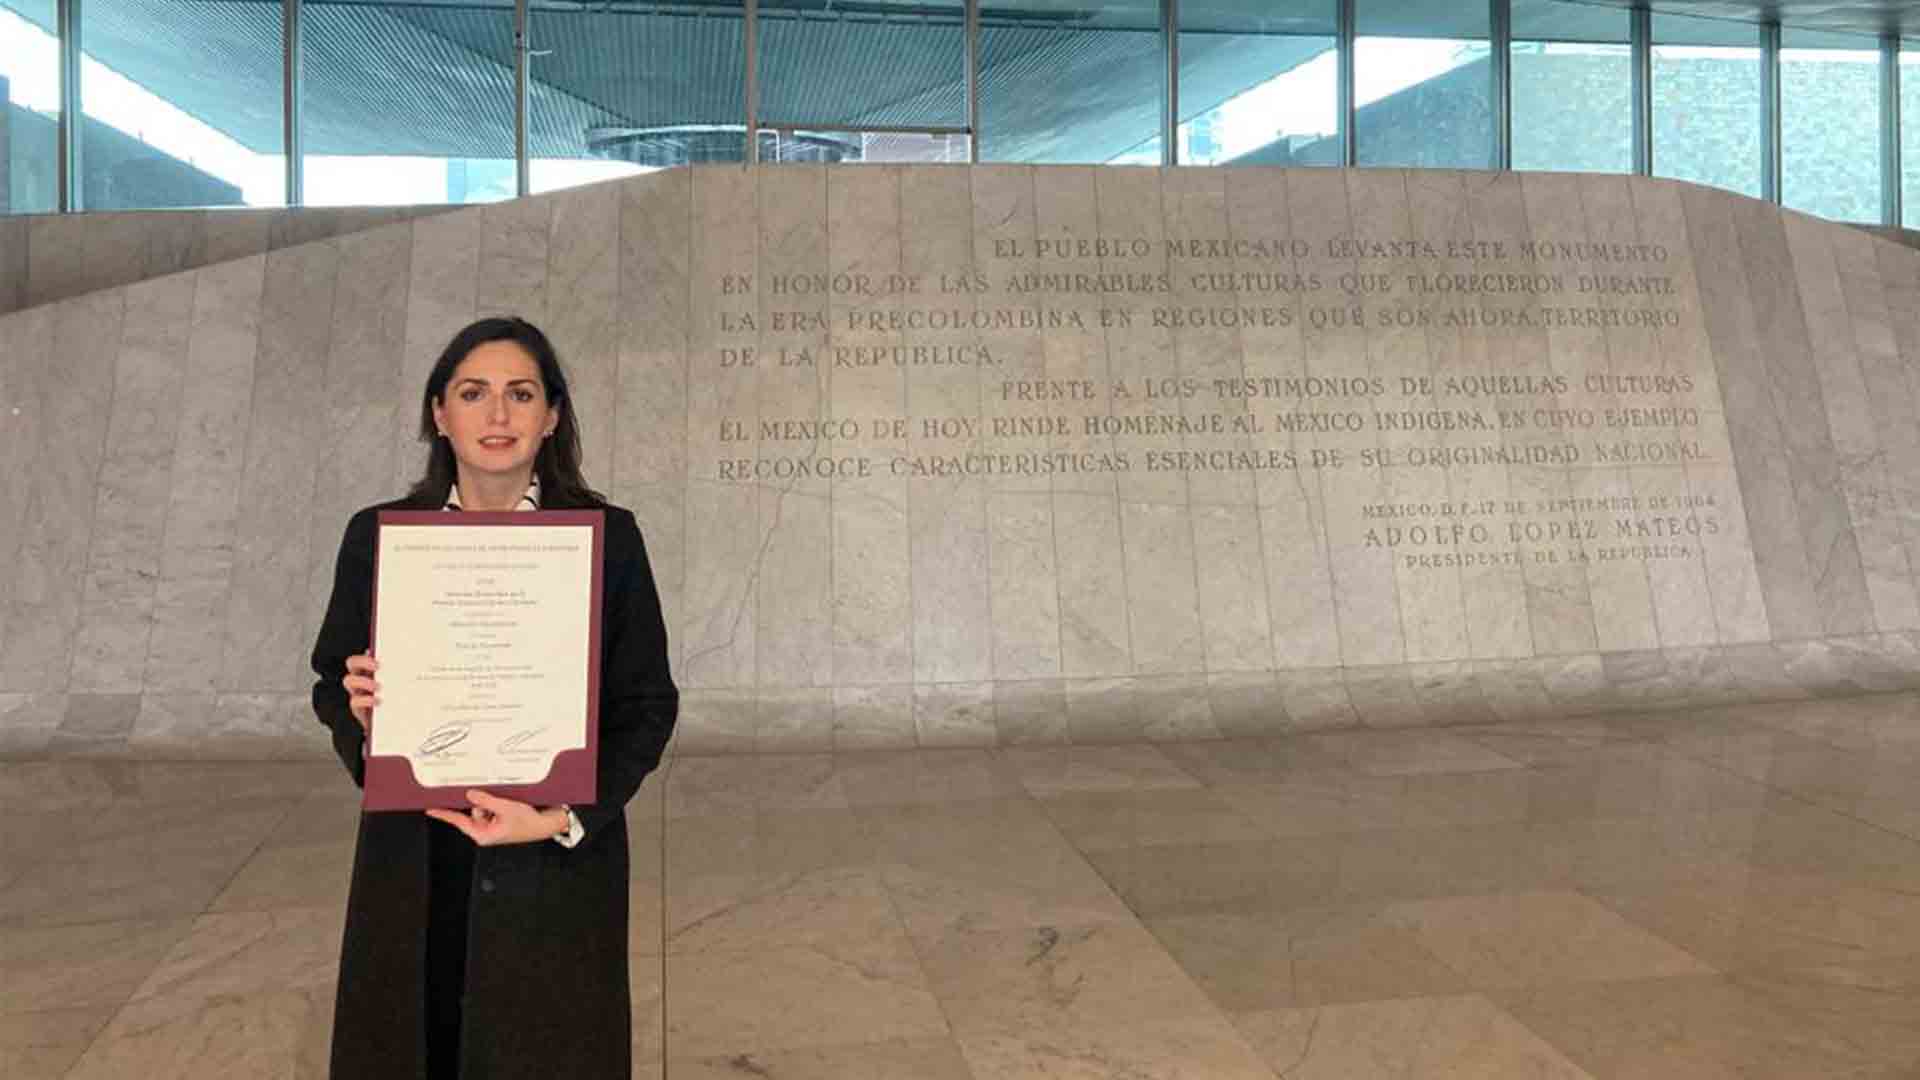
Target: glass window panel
<point>1259,84</point>
<point>789,146</point>
<point>1706,102</point>
<point>1910,134</point>
<point>29,108</point>
<point>406,104</point>
<point>1830,125</point>
<point>1572,87</point>
<point>872,63</point>
<point>1569,20</point>
<point>1423,84</point>
<point>618,90</point>
<point>181,104</point>
<point>1071,83</point>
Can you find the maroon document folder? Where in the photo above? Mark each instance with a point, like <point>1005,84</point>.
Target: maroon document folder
<point>390,780</point>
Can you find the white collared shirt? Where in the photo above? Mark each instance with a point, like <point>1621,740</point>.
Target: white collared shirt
<point>531,501</point>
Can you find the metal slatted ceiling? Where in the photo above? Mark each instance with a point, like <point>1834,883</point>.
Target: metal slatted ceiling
<point>1555,20</point>
<point>41,13</point>
<point>908,73</point>
<point>630,70</point>
<point>1090,96</point>
<point>379,84</point>
<point>1868,17</point>
<point>223,58</point>
<point>1067,95</point>
<point>437,79</point>
<point>1214,68</point>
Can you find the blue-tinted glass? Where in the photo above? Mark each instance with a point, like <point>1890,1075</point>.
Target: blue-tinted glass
<point>1572,87</point>
<point>1706,102</point>
<point>1910,135</point>
<point>1423,84</point>
<point>910,60</point>
<point>1076,84</point>
<point>1259,83</point>
<point>1830,125</point>
<point>181,103</point>
<point>786,146</point>
<point>29,107</point>
<point>617,89</point>
<point>407,103</point>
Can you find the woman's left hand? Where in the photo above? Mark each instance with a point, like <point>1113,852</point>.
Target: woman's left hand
<point>494,821</point>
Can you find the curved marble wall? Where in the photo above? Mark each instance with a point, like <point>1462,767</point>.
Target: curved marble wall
<point>50,257</point>
<point>948,456</point>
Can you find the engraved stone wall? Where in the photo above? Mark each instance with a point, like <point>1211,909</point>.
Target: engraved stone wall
<point>944,456</point>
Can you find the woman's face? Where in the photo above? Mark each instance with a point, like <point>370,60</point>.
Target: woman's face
<point>495,413</point>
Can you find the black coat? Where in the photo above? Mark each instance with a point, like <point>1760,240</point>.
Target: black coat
<point>546,960</point>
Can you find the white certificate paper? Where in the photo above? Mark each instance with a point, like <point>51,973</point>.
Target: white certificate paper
<point>485,641</point>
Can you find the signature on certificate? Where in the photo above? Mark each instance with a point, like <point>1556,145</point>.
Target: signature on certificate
<point>444,738</point>
<point>519,739</point>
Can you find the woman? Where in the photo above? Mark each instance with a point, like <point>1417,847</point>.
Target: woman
<point>493,943</point>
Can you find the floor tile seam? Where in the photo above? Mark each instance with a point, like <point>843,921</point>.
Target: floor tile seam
<point>100,1035</point>
<point>1568,1054</point>
<point>749,1053</point>
<point>246,803</point>
<point>755,894</point>
<point>240,866</point>
<point>105,1011</point>
<point>141,992</point>
<point>1653,932</point>
<point>919,954</point>
<point>346,843</point>
<point>8,926</point>
<point>201,1002</point>
<point>853,805</point>
<point>201,998</point>
<point>1810,804</point>
<point>665,770</point>
<point>185,925</point>
<point>1513,1004</point>
<point>1832,1021</point>
<point>113,1002</point>
<point>1508,977</point>
<point>810,1045</point>
<point>215,911</point>
<point>132,755</point>
<point>1408,939</point>
<point>1032,1023</point>
<point>160,869</point>
<point>827,944</point>
<point>186,839</point>
<point>1328,837</point>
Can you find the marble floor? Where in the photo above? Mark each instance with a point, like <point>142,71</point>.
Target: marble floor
<point>1730,893</point>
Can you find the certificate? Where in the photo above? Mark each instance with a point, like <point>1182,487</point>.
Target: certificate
<point>487,629</point>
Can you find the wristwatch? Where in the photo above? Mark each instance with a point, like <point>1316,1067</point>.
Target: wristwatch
<point>573,832</point>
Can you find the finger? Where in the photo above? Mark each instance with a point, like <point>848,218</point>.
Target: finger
<point>493,804</point>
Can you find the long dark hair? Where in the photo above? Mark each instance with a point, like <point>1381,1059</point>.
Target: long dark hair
<point>558,462</point>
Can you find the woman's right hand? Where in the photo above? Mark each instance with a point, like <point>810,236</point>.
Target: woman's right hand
<point>362,691</point>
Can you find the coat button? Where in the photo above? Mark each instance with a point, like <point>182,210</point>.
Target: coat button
<point>486,884</point>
